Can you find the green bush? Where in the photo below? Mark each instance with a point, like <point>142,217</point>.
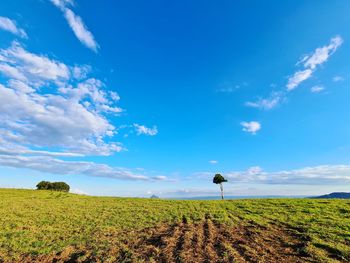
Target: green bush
<point>55,186</point>
<point>43,185</point>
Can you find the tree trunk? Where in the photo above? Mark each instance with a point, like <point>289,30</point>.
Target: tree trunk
<point>222,191</point>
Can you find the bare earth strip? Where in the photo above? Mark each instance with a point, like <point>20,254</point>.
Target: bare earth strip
<point>207,241</point>
<point>204,241</point>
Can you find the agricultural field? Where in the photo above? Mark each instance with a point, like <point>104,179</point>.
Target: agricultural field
<point>44,226</point>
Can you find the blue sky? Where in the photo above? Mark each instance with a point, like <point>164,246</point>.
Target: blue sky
<point>133,98</point>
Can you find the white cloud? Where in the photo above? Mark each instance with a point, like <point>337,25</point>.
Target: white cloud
<point>55,121</point>
<point>9,25</point>
<point>78,191</point>
<point>317,89</point>
<point>316,175</point>
<point>298,77</point>
<point>213,161</point>
<point>81,72</point>
<point>20,86</point>
<point>309,175</point>
<point>310,62</point>
<point>254,170</point>
<point>36,70</point>
<point>12,149</point>
<point>338,78</point>
<point>252,127</point>
<point>63,3</point>
<point>11,72</point>
<point>91,88</point>
<point>49,110</point>
<point>76,24</point>
<point>65,115</point>
<point>57,166</point>
<point>114,95</point>
<point>268,103</point>
<point>141,129</point>
<point>321,54</point>
<point>80,30</point>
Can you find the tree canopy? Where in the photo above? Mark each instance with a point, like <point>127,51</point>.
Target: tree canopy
<point>218,179</point>
<point>55,186</point>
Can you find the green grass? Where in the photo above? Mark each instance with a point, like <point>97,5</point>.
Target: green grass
<point>42,222</point>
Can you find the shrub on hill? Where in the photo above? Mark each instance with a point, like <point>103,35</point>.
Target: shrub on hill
<point>43,185</point>
<point>55,186</point>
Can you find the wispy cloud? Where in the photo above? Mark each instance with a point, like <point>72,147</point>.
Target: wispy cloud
<point>10,25</point>
<point>316,175</point>
<point>229,86</point>
<point>80,30</point>
<point>76,24</point>
<point>337,78</point>
<point>252,126</point>
<point>56,166</point>
<point>78,191</point>
<point>141,129</point>
<point>298,77</point>
<point>310,62</point>
<point>213,161</point>
<point>267,103</point>
<point>321,54</point>
<point>63,3</point>
<point>12,149</point>
<point>317,89</point>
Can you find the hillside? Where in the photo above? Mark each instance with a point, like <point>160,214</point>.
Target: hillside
<point>51,226</point>
<point>336,195</point>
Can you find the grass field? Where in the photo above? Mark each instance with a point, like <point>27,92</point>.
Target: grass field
<point>52,226</point>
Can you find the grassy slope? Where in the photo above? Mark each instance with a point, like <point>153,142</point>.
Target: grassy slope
<point>41,222</point>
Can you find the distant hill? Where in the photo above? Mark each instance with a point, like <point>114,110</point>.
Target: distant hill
<point>338,195</point>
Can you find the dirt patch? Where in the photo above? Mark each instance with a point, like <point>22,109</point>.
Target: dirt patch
<point>205,241</point>
<point>69,255</point>
<point>211,242</point>
<point>73,256</point>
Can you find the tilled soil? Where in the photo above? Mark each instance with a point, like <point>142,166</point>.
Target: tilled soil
<point>204,241</point>
<point>211,242</point>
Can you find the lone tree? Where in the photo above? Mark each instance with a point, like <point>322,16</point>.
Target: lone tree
<point>219,179</point>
